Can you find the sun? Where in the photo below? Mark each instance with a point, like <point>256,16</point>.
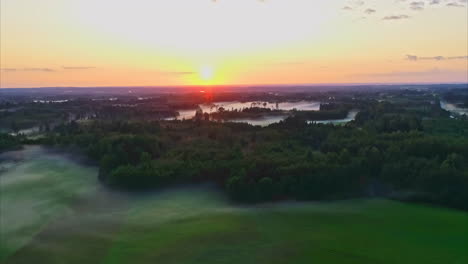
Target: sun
<point>206,73</point>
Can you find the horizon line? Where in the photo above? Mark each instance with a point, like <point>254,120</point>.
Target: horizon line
<point>242,85</point>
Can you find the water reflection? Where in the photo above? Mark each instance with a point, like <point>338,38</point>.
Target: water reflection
<point>265,120</point>
<point>453,108</point>
<point>236,105</point>
<point>285,106</point>
<point>351,116</point>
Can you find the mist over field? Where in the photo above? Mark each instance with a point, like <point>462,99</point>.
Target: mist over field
<point>37,187</point>
<point>55,211</point>
<point>45,195</point>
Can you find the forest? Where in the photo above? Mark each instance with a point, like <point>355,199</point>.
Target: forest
<point>401,145</point>
<point>384,152</point>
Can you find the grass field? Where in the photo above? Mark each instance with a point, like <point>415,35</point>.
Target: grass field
<point>53,212</point>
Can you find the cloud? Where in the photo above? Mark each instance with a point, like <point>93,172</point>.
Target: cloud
<point>353,4</point>
<point>437,58</point>
<point>357,3</point>
<point>417,5</point>
<point>396,17</point>
<point>77,68</point>
<point>39,69</point>
<point>9,69</point>
<point>455,4</point>
<point>412,57</point>
<point>28,69</point>
<point>413,5</point>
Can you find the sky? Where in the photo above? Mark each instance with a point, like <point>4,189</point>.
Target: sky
<point>51,43</point>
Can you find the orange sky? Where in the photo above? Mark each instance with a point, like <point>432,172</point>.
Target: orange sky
<point>180,42</point>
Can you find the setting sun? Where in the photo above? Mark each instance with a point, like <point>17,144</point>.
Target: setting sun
<point>206,73</point>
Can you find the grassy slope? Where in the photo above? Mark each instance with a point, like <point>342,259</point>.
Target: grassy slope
<point>360,231</point>
<point>197,225</point>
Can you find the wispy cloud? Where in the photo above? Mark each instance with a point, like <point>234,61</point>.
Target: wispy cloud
<point>456,4</point>
<point>39,69</point>
<point>417,5</point>
<point>353,4</point>
<point>357,2</point>
<point>77,67</point>
<point>436,58</point>
<point>45,69</point>
<point>28,69</point>
<point>9,69</point>
<point>396,17</point>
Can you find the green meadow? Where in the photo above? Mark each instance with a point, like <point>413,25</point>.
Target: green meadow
<point>54,211</point>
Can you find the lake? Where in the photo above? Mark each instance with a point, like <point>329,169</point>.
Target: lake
<point>235,105</point>
<point>267,120</point>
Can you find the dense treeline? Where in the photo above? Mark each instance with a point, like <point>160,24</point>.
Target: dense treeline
<point>386,151</point>
<point>324,114</point>
<point>327,111</point>
<point>8,142</point>
<point>28,116</point>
